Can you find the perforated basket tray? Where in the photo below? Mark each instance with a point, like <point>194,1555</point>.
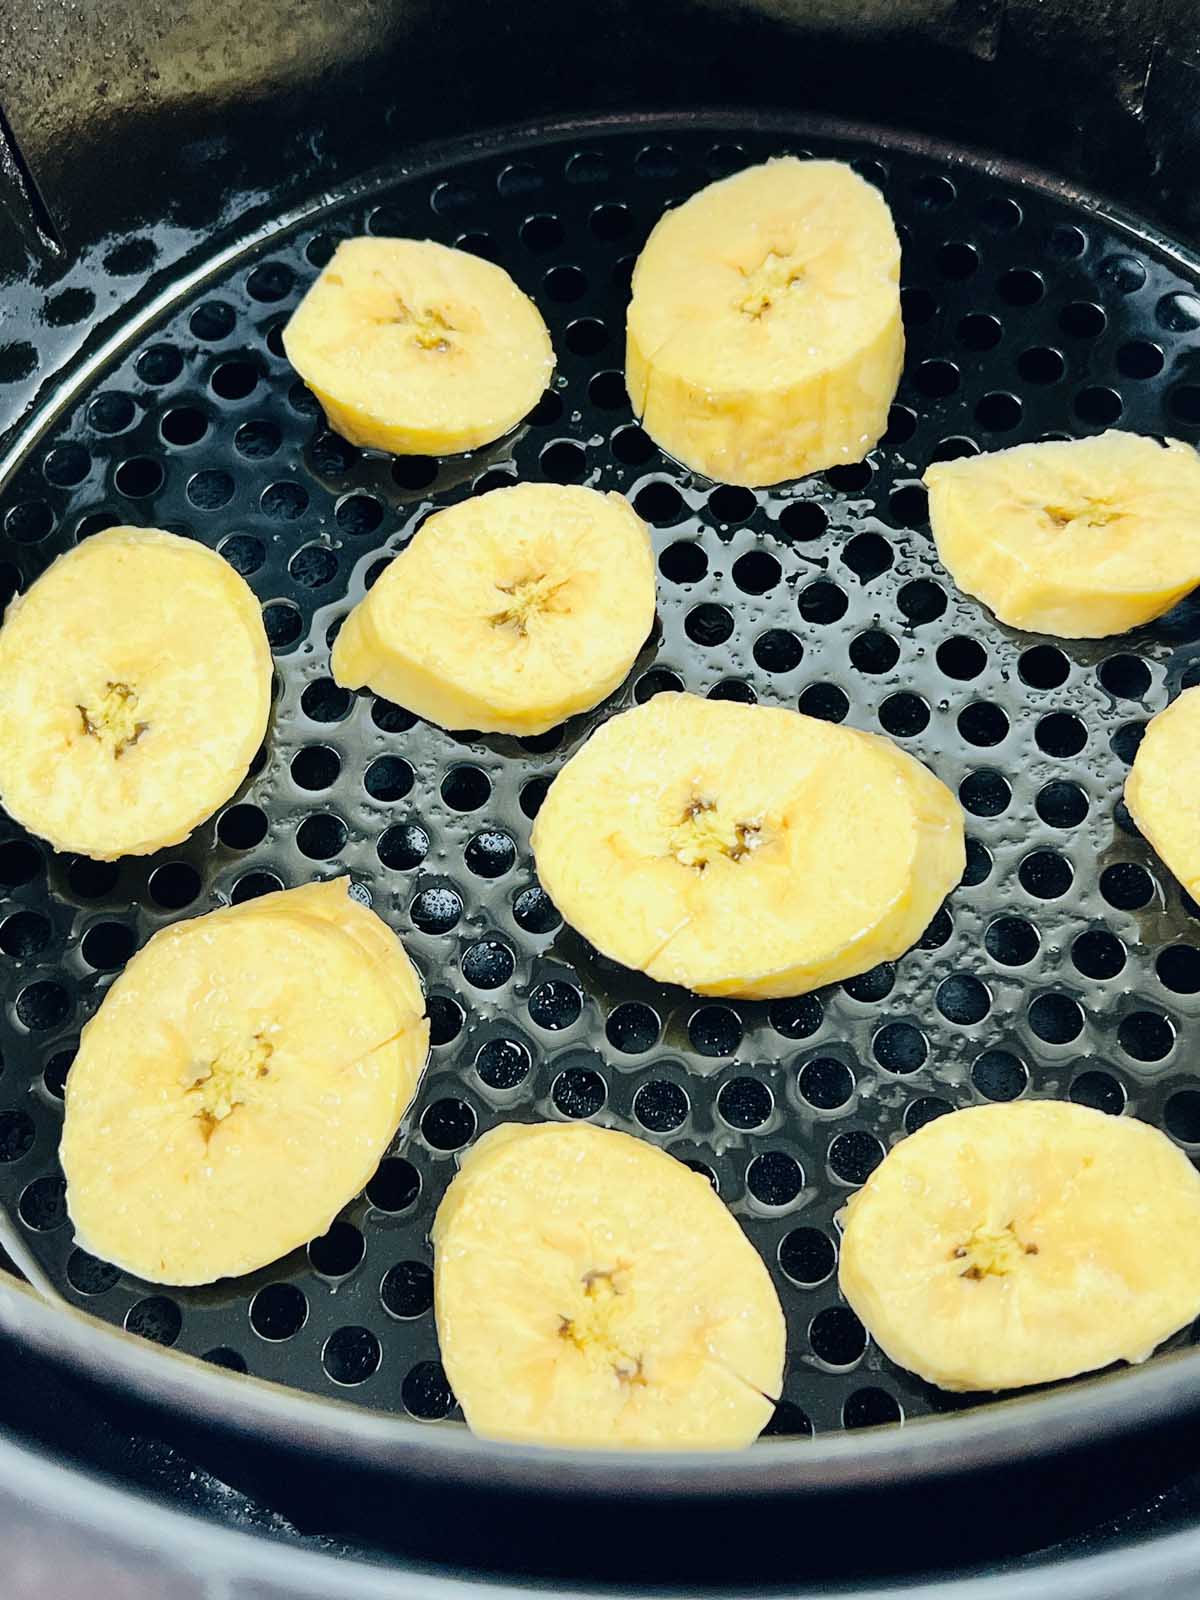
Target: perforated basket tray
<point>1065,965</point>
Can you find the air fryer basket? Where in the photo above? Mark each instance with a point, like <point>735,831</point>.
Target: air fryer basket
<point>1062,966</point>
<point>1067,964</point>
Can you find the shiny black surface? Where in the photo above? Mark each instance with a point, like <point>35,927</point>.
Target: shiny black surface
<point>131,110</point>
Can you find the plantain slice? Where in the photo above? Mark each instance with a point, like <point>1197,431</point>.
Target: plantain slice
<point>1015,1244</point>
<point>590,1289</point>
<point>1081,538</point>
<point>419,349</point>
<point>239,1084</point>
<point>135,686</point>
<point>746,850</point>
<point>1162,790</point>
<point>507,613</point>
<point>764,337</point>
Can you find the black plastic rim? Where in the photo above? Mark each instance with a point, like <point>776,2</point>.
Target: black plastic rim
<point>132,1525</point>
<point>98,1510</point>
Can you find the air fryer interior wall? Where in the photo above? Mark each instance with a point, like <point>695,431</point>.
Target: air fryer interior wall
<point>118,182</point>
<point>142,108</point>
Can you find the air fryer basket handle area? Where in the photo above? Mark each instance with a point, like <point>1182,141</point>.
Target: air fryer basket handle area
<point>117,109</point>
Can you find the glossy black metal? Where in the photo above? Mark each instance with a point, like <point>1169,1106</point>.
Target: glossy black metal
<point>129,109</point>
<point>286,1510</point>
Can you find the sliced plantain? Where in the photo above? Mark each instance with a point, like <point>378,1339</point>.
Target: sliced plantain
<point>1163,788</point>
<point>746,850</point>
<point>507,613</point>
<point>592,1290</point>
<point>1008,1245</point>
<point>239,1084</point>
<point>418,349</point>
<point>135,686</point>
<point>764,337</point>
<point>1081,539</point>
